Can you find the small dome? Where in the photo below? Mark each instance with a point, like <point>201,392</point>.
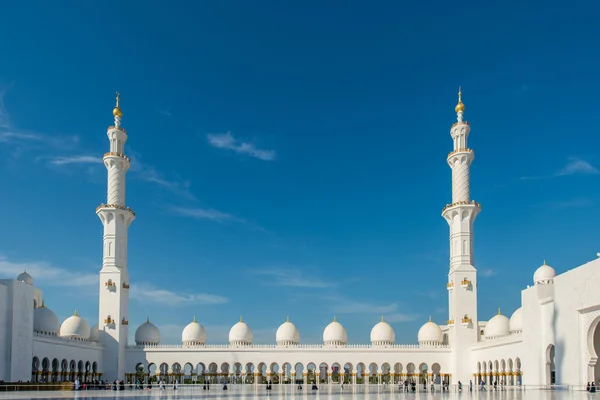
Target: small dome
<point>147,334</point>
<point>544,274</point>
<point>516,320</point>
<point>498,326</point>
<point>335,334</point>
<point>75,327</point>
<point>26,278</point>
<point>287,334</point>
<point>430,333</point>
<point>382,333</point>
<point>45,321</point>
<point>240,333</point>
<point>193,334</point>
<point>95,333</point>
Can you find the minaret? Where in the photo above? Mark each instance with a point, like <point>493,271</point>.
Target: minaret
<point>462,277</point>
<point>114,278</point>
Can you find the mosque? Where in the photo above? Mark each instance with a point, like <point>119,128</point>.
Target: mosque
<point>554,337</point>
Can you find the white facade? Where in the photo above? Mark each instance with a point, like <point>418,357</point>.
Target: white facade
<point>554,337</point>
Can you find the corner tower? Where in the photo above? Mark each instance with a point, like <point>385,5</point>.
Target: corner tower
<point>462,277</point>
<point>114,278</point>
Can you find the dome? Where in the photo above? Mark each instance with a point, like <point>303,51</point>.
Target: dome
<point>544,274</point>
<point>147,334</point>
<point>335,334</point>
<point>240,333</point>
<point>382,333</point>
<point>95,333</point>
<point>498,326</point>
<point>75,327</point>
<point>516,320</point>
<point>287,334</point>
<point>26,278</point>
<point>193,334</point>
<point>430,333</point>
<point>45,321</point>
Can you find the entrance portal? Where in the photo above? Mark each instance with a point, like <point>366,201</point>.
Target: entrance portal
<point>550,365</point>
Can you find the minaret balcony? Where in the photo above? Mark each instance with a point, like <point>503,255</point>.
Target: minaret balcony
<point>117,128</point>
<point>459,203</point>
<point>117,206</point>
<point>465,283</point>
<point>450,285</point>
<point>460,123</point>
<point>464,150</point>
<point>114,154</point>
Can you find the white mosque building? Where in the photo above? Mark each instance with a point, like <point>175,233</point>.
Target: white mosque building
<point>554,337</point>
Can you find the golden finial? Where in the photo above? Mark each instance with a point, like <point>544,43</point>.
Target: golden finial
<point>334,319</point>
<point>117,111</point>
<point>544,262</point>
<point>194,319</point>
<point>147,320</point>
<point>460,107</point>
<point>241,319</point>
<point>498,310</point>
<point>75,313</point>
<point>382,319</point>
<point>43,305</point>
<point>430,318</point>
<point>287,319</point>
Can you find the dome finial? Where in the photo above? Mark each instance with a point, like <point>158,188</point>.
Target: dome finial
<point>117,113</point>
<point>75,313</point>
<point>382,319</point>
<point>147,320</point>
<point>334,319</point>
<point>194,319</point>
<point>498,310</point>
<point>43,305</point>
<point>241,320</point>
<point>545,262</point>
<point>460,107</point>
<point>287,319</point>
<point>430,318</point>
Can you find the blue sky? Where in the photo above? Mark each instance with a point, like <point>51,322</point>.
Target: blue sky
<point>290,159</point>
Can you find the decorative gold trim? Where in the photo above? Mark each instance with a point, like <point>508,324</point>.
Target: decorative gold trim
<point>108,320</point>
<point>450,285</point>
<point>465,282</point>
<point>115,154</point>
<point>118,206</point>
<point>124,322</point>
<point>125,285</point>
<point>451,322</point>
<point>472,202</point>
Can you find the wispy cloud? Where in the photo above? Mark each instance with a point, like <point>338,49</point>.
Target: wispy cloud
<point>487,272</point>
<point>148,293</point>
<point>574,166</point>
<point>77,159</point>
<point>205,213</point>
<point>391,311</point>
<point>577,166</point>
<point>290,277</point>
<point>166,111</point>
<point>577,202</point>
<point>48,274</point>
<point>227,141</point>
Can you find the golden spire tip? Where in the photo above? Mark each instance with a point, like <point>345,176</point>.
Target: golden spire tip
<point>498,310</point>
<point>117,111</point>
<point>75,313</point>
<point>241,320</point>
<point>287,319</point>
<point>147,320</point>
<point>430,318</point>
<point>195,319</point>
<point>382,319</point>
<point>460,107</point>
<point>43,305</point>
<point>334,319</point>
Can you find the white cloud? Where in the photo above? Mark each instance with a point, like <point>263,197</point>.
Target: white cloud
<point>227,141</point>
<point>48,274</point>
<point>80,159</point>
<point>205,213</point>
<point>290,277</point>
<point>487,272</point>
<point>391,311</point>
<point>148,293</point>
<point>577,166</point>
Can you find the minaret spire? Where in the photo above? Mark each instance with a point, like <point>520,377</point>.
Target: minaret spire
<point>116,218</point>
<point>460,215</point>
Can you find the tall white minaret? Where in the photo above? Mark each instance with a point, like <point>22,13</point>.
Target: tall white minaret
<point>116,217</point>
<point>462,278</point>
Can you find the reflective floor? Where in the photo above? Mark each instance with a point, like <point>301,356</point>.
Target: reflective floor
<point>286,392</point>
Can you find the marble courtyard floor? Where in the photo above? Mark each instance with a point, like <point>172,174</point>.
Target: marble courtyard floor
<point>287,393</point>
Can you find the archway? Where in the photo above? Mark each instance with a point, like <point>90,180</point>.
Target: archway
<point>594,351</point>
<point>550,365</point>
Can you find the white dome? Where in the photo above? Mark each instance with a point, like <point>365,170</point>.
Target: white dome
<point>382,333</point>
<point>516,320</point>
<point>45,321</point>
<point>95,333</point>
<point>544,274</point>
<point>287,334</point>
<point>193,334</point>
<point>240,333</point>
<point>75,327</point>
<point>25,277</point>
<point>430,333</point>
<point>147,334</point>
<point>498,326</point>
<point>335,334</point>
